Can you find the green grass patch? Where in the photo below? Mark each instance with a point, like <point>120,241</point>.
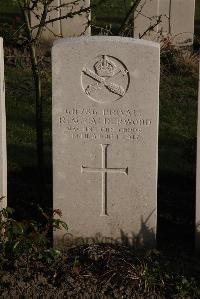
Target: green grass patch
<point>20,107</point>
<point>110,13</point>
<point>197,11</point>
<point>8,7</point>
<point>178,120</point>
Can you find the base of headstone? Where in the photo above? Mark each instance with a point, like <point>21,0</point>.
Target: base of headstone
<point>67,240</point>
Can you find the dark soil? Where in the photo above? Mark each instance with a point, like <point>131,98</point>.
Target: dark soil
<point>101,271</point>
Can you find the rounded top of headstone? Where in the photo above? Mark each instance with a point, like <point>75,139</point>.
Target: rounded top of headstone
<point>120,39</point>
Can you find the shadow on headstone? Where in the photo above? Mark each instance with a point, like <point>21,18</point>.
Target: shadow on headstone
<point>145,238</point>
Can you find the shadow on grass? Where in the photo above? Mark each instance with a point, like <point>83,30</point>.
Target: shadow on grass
<point>23,192</point>
<point>176,217</point>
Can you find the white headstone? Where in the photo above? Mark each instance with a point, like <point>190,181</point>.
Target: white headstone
<point>177,20</point>
<point>3,156</point>
<point>105,139</point>
<point>198,177</point>
<point>145,16</point>
<point>70,27</point>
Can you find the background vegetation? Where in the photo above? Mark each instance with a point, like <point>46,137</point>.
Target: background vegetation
<point>177,163</point>
<point>178,115</point>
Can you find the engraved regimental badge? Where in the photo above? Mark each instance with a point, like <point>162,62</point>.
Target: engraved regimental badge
<point>105,79</point>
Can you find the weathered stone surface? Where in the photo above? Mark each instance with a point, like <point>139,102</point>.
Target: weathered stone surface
<point>71,27</point>
<point>105,139</point>
<point>3,156</point>
<point>146,16</point>
<point>177,20</point>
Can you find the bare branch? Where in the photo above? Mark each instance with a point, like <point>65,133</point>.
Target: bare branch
<point>67,16</point>
<point>151,27</point>
<point>129,16</point>
<point>42,21</point>
<point>139,12</point>
<point>34,4</point>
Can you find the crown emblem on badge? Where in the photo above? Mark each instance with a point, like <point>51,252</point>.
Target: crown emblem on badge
<point>105,67</point>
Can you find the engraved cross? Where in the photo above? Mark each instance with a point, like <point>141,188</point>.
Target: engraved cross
<point>104,170</point>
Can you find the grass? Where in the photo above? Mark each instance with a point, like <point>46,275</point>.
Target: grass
<point>21,140</point>
<point>8,7</point>
<point>20,106</point>
<point>103,271</point>
<point>8,11</point>
<point>178,114</point>
<point>197,11</point>
<point>110,14</point>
